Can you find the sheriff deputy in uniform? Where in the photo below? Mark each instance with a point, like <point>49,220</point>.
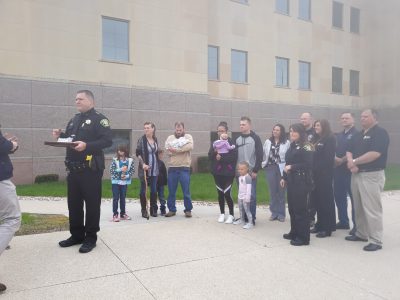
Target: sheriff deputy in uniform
<point>90,130</point>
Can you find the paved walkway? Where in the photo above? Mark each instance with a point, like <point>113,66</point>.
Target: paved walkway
<point>198,258</point>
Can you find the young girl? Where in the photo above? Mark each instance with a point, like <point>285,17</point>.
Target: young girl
<point>121,169</point>
<point>244,195</point>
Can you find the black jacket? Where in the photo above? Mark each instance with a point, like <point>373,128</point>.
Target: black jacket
<point>162,178</point>
<point>6,168</point>
<point>93,128</point>
<point>301,160</point>
<point>324,155</point>
<point>226,165</point>
<point>143,152</point>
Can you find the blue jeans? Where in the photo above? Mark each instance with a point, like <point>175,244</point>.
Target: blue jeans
<point>276,192</point>
<point>161,197</point>
<point>152,182</point>
<point>119,194</point>
<point>341,185</point>
<point>179,175</point>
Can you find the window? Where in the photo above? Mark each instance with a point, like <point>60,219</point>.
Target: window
<point>115,39</point>
<point>354,83</point>
<point>282,6</point>
<point>282,71</point>
<point>239,66</point>
<point>119,137</point>
<point>337,77</point>
<point>337,14</point>
<point>213,63</point>
<point>354,20</point>
<point>305,10</point>
<point>304,75</point>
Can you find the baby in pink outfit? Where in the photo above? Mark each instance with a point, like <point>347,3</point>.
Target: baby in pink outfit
<point>222,145</point>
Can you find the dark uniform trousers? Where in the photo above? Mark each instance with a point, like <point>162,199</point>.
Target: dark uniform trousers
<point>84,186</point>
<point>322,197</point>
<point>297,197</point>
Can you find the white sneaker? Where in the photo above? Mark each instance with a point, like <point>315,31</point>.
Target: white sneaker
<point>221,218</point>
<point>237,222</point>
<point>229,220</point>
<point>248,226</point>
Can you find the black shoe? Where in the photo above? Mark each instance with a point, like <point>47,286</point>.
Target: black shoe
<point>87,247</point>
<point>314,230</point>
<point>145,214</point>
<point>323,234</point>
<point>342,226</point>
<point>288,236</point>
<point>298,242</point>
<point>70,242</point>
<point>353,231</point>
<point>153,212</point>
<point>163,212</point>
<point>2,287</point>
<point>354,238</point>
<point>372,247</point>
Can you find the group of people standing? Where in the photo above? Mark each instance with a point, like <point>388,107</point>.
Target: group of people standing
<point>316,168</point>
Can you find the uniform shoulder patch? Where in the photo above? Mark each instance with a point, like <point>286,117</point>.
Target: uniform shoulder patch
<point>104,123</point>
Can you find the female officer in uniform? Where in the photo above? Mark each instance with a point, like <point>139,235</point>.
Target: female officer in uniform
<point>297,177</point>
<point>322,195</point>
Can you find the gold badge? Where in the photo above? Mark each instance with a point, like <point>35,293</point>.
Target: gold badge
<point>105,123</point>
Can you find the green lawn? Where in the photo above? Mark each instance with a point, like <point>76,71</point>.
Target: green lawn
<point>202,187</point>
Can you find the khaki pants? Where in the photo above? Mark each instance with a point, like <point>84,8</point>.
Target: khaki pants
<point>366,188</point>
<point>10,213</point>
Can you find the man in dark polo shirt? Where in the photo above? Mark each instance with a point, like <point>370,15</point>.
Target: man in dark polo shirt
<point>366,159</point>
<point>342,175</point>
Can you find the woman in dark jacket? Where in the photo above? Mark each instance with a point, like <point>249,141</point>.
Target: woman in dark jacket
<point>147,152</point>
<point>223,168</point>
<point>296,176</point>
<point>324,158</point>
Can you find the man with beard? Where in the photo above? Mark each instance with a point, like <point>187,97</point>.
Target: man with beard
<point>179,147</point>
<point>250,150</point>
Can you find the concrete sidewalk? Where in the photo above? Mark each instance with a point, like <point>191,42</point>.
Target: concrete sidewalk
<point>198,258</point>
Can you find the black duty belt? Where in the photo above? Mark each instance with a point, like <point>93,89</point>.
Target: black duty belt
<point>76,166</point>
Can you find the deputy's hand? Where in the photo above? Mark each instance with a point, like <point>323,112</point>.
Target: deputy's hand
<point>282,183</point>
<point>338,161</point>
<point>354,169</point>
<point>80,146</point>
<point>56,133</point>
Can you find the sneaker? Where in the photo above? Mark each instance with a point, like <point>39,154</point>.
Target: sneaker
<point>272,218</point>
<point>170,214</point>
<point>221,218</point>
<point>281,219</point>
<point>188,214</point>
<point>237,222</point>
<point>125,217</point>
<point>229,220</point>
<point>115,218</point>
<point>248,226</point>
<point>2,287</point>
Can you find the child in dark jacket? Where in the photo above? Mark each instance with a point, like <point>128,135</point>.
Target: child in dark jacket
<point>161,181</point>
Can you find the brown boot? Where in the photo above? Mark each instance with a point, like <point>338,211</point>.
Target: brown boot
<point>170,214</point>
<point>143,206</point>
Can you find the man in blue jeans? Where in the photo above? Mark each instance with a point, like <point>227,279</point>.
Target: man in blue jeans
<point>250,150</point>
<point>342,175</point>
<point>179,147</point>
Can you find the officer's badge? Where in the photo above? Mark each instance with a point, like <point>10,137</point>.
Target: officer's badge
<point>105,123</point>
<point>88,121</point>
<point>307,147</point>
